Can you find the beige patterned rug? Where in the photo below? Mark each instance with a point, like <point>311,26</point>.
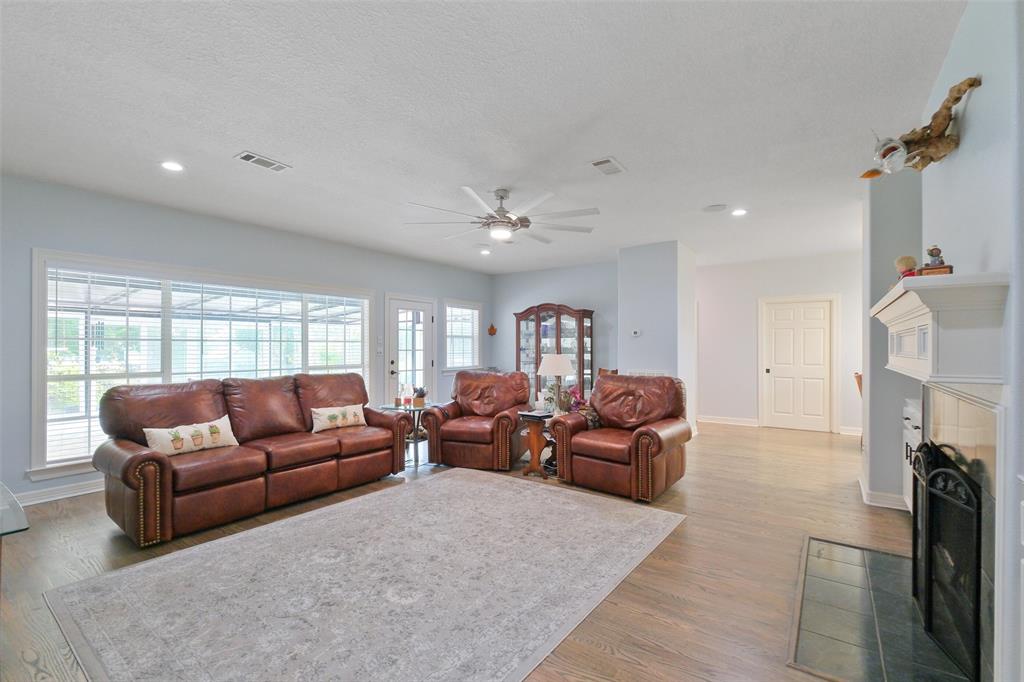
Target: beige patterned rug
<point>463,575</point>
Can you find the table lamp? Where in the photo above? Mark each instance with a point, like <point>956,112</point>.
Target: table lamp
<point>557,366</point>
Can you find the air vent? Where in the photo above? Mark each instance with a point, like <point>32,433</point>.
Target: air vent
<point>262,161</point>
<point>608,166</point>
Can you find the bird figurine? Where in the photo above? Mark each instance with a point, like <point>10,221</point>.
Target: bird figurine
<point>922,147</point>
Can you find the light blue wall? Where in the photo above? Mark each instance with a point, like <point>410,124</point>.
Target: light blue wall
<point>38,214</point>
<point>584,286</point>
<point>648,302</point>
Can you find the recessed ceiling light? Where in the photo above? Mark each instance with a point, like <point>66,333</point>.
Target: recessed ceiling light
<point>739,212</point>
<point>501,233</point>
<point>485,252</point>
<point>172,166</point>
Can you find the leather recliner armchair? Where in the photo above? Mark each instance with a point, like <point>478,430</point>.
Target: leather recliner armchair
<point>639,449</point>
<point>480,428</point>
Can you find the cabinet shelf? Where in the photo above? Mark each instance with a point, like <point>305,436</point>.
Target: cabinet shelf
<point>554,328</point>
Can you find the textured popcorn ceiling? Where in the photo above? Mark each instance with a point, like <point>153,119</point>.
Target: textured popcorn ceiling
<point>765,105</point>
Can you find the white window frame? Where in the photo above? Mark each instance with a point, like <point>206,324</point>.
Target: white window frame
<point>43,259</point>
<point>473,305</point>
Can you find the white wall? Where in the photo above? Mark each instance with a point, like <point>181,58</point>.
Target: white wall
<point>973,209</point>
<point>584,286</point>
<point>648,302</point>
<point>686,325</point>
<point>892,227</point>
<point>727,296</point>
<point>38,214</point>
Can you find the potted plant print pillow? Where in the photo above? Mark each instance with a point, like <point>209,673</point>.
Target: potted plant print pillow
<point>337,417</point>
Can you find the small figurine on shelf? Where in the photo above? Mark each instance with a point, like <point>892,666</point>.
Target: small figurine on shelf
<point>936,263</point>
<point>419,397</point>
<point>906,266</point>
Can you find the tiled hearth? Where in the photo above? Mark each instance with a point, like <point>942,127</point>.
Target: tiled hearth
<point>858,620</point>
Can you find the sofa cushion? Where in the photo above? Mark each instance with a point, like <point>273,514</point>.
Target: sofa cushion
<point>126,410</point>
<point>608,444</point>
<point>359,439</point>
<point>628,402</point>
<point>216,466</point>
<point>488,393</point>
<point>473,429</point>
<point>263,407</point>
<point>289,449</point>
<point>328,390</point>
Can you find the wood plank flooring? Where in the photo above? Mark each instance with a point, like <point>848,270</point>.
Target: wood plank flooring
<point>713,602</point>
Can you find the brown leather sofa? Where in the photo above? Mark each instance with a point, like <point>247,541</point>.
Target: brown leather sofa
<point>639,451</point>
<point>154,497</point>
<point>480,428</point>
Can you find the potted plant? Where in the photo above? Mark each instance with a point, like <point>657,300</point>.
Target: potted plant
<point>177,442</point>
<point>419,397</point>
<point>332,418</point>
<point>197,437</point>
<point>214,433</point>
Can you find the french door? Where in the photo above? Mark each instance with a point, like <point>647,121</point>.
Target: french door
<point>796,384</point>
<point>410,346</point>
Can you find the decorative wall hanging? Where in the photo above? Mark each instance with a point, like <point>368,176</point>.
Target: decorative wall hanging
<point>922,147</point>
<point>492,330</point>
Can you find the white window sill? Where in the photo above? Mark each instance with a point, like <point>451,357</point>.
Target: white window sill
<point>62,469</point>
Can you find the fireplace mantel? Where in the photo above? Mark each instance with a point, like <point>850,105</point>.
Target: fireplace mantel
<point>946,328</point>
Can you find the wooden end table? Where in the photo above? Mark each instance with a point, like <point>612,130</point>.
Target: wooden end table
<point>535,424</point>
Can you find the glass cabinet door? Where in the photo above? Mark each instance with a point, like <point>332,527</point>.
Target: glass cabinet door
<point>528,351</point>
<point>547,328</point>
<point>588,355</point>
<point>568,345</point>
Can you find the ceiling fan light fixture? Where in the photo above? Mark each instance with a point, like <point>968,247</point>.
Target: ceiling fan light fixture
<point>485,252</point>
<point>500,233</point>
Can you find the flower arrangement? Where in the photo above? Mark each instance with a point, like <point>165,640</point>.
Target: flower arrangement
<point>419,397</point>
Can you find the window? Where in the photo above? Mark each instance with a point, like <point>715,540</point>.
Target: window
<point>462,335</point>
<point>103,330</point>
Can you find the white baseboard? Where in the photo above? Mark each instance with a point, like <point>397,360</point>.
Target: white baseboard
<point>59,492</point>
<point>876,499</point>
<point>734,421</point>
<point>851,431</point>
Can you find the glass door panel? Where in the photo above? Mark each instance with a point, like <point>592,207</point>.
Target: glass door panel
<point>588,354</point>
<point>528,351</point>
<point>567,345</point>
<point>548,342</point>
<point>411,353</point>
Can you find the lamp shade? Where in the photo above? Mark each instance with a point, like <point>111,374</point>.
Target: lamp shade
<point>556,365</point>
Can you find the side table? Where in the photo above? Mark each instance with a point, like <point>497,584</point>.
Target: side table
<point>417,414</point>
<point>535,424</point>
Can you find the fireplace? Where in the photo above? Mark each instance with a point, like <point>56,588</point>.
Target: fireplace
<point>954,484</point>
<point>947,555</point>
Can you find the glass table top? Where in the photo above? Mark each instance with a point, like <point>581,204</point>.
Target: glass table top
<point>408,408</point>
<point>12,516</point>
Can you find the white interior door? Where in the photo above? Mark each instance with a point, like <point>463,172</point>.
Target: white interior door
<point>797,351</point>
<point>410,347</point>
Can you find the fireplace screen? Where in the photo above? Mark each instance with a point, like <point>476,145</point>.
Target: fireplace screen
<point>947,555</point>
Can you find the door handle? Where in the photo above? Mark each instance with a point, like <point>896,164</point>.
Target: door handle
<point>393,372</point>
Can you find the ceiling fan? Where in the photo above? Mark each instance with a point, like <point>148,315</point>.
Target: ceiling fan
<point>502,223</point>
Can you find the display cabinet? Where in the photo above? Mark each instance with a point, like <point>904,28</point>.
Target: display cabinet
<point>553,328</point>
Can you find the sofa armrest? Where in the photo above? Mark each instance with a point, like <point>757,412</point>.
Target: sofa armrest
<point>505,427</point>
<point>139,490</point>
<point>432,419</point>
<point>400,426</point>
<point>660,436</point>
<point>121,459</point>
<point>563,428</point>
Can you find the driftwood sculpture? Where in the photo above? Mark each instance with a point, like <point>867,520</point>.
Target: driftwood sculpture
<point>923,146</point>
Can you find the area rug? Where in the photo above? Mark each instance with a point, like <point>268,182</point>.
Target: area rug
<point>463,575</point>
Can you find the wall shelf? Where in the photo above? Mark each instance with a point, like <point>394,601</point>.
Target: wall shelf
<point>946,328</point>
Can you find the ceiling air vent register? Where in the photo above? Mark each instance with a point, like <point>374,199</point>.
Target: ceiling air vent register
<point>608,166</point>
<point>262,161</point>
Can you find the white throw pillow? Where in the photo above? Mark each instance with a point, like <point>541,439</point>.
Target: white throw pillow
<point>337,417</point>
<point>191,437</point>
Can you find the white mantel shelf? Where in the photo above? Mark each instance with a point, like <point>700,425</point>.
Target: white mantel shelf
<point>946,328</point>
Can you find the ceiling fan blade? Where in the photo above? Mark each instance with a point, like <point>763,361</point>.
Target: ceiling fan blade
<point>479,202</point>
<point>461,234</point>
<point>563,228</point>
<point>568,214</point>
<point>523,209</point>
<point>438,208</point>
<point>457,222</point>
<point>538,237</point>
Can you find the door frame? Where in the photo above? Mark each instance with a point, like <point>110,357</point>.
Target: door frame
<point>388,342</point>
<point>835,342</point>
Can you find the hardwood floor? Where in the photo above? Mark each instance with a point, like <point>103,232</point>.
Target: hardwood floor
<point>713,602</point>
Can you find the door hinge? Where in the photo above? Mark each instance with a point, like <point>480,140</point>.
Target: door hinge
<point>431,319</point>
<point>431,363</point>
